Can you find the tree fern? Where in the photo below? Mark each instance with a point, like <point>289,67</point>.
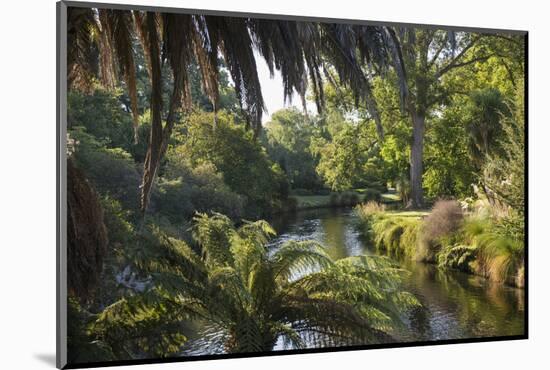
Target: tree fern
<point>251,296</point>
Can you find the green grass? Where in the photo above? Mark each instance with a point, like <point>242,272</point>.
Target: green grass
<point>391,197</point>
<point>322,201</point>
<point>407,214</point>
<point>312,201</point>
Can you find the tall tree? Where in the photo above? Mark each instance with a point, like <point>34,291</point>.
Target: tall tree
<point>421,58</point>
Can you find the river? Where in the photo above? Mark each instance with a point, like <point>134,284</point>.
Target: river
<point>455,305</point>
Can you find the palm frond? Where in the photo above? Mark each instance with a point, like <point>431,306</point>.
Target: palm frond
<point>298,257</point>
<point>119,28</point>
<point>214,233</point>
<point>237,48</point>
<point>81,67</point>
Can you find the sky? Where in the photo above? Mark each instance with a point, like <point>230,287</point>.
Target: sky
<point>272,91</point>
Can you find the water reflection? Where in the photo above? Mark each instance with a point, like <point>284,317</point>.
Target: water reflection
<point>454,305</point>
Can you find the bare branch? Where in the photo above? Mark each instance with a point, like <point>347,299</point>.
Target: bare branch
<point>453,63</point>
<point>471,61</point>
<point>436,55</point>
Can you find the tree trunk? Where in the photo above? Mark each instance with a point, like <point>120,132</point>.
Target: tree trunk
<point>87,239</point>
<point>417,155</point>
<point>152,158</point>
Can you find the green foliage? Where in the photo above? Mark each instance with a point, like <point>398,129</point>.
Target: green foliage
<point>458,257</point>
<point>250,295</point>
<point>369,210</point>
<point>111,170</point>
<point>504,172</point>
<point>101,114</point>
<point>184,190</point>
<point>449,169</point>
<point>82,345</point>
<point>483,116</point>
<point>476,245</point>
<point>341,159</point>
<point>372,195</point>
<point>397,236</point>
<point>499,255</point>
<point>105,116</point>
<point>245,167</point>
<point>287,139</point>
<point>141,324</point>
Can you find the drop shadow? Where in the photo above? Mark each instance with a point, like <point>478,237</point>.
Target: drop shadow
<point>46,358</point>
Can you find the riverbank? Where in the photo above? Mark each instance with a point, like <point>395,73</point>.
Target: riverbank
<point>344,199</point>
<point>454,304</point>
<point>447,238</point>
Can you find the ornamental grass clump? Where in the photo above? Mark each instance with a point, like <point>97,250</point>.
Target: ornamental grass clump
<point>366,211</point>
<point>445,219</point>
<point>397,236</point>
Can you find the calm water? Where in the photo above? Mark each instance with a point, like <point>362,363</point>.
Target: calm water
<point>454,305</point>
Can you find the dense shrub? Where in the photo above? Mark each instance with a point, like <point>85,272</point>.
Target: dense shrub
<point>199,189</point>
<point>482,248</point>
<point>500,258</point>
<point>111,170</point>
<point>103,116</point>
<point>349,199</point>
<point>243,163</point>
<point>445,218</point>
<point>334,200</point>
<point>458,257</point>
<point>371,194</point>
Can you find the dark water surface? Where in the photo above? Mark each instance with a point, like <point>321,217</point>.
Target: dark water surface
<point>454,305</point>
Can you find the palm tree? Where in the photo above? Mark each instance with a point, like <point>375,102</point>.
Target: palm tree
<point>100,44</point>
<point>253,296</point>
<point>483,127</point>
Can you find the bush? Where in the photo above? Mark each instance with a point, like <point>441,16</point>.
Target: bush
<point>483,249</point>
<point>242,161</point>
<point>445,218</point>
<point>500,258</point>
<point>199,189</point>
<point>458,257</point>
<point>334,200</point>
<point>102,116</point>
<point>367,211</point>
<point>111,170</point>
<point>372,194</point>
<point>348,199</point>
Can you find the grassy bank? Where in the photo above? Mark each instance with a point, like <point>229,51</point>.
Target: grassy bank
<point>344,199</point>
<point>445,236</point>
